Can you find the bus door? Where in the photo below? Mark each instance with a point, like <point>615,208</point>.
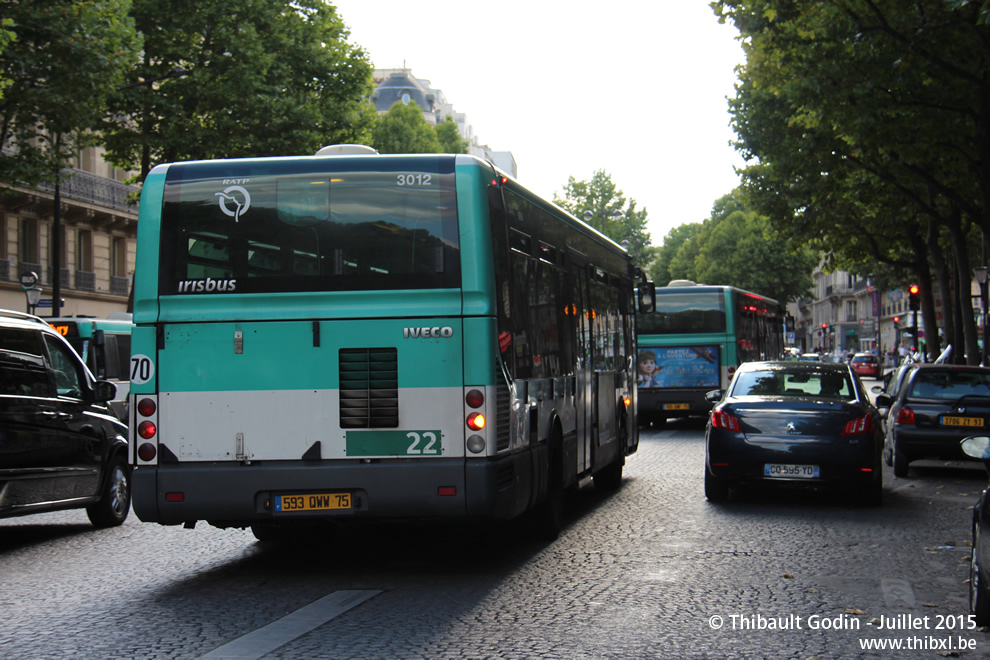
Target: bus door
<point>584,368</point>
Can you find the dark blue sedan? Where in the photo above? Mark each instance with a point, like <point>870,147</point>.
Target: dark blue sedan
<point>799,423</point>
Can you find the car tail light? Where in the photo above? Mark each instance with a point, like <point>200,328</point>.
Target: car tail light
<point>859,425</point>
<point>723,420</point>
<point>905,416</point>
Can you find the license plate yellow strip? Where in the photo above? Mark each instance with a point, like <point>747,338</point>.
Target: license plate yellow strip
<point>312,502</point>
<point>962,421</point>
<point>676,406</point>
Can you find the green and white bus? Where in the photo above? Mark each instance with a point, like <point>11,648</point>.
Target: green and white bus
<point>342,337</point>
<point>694,340</point>
<point>104,344</point>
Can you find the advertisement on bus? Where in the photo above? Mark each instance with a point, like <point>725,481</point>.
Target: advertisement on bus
<point>677,366</point>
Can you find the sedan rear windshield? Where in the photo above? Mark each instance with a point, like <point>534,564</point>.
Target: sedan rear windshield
<point>950,385</point>
<point>793,383</point>
<point>309,224</point>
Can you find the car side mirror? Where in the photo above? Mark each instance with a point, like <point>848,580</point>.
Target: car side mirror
<point>104,391</point>
<point>977,446</point>
<point>713,396</point>
<point>883,400</point>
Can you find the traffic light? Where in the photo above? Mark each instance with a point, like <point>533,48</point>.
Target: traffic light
<point>897,321</point>
<point>824,327</point>
<point>914,304</point>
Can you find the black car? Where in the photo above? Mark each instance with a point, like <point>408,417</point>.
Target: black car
<point>61,445</point>
<point>802,423</point>
<point>978,447</point>
<point>936,406</point>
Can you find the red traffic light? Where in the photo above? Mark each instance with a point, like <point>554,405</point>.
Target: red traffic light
<point>897,319</point>
<point>824,326</point>
<point>913,289</point>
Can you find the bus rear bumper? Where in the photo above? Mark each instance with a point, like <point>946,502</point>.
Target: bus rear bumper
<point>240,495</point>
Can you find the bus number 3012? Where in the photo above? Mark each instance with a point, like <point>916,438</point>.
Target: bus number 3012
<point>418,179</point>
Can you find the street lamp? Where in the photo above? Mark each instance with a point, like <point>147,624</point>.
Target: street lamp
<point>980,272</point>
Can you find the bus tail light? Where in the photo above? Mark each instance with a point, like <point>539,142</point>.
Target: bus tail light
<point>476,421</point>
<point>145,427</point>
<point>147,452</point>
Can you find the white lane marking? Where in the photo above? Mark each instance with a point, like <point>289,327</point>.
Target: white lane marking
<point>266,639</point>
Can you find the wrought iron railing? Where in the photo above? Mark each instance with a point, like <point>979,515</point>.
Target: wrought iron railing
<point>85,281</point>
<point>87,187</point>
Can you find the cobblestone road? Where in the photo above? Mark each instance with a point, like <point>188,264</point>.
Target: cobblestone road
<point>651,571</point>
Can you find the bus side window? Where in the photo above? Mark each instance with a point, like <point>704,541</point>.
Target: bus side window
<point>107,357</point>
<point>120,352</point>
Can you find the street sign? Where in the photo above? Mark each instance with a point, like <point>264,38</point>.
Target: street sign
<point>47,302</point>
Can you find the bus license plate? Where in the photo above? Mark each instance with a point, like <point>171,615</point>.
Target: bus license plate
<point>962,421</point>
<point>781,471</point>
<point>312,502</point>
<point>676,406</point>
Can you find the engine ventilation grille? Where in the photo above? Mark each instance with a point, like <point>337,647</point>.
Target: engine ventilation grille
<point>369,388</point>
<point>503,404</point>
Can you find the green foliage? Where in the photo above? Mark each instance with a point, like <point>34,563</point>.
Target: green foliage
<point>450,138</point>
<point>404,130</point>
<point>6,36</point>
<point>602,205</point>
<point>663,267</point>
<point>738,247</point>
<point>58,61</point>
<point>237,78</point>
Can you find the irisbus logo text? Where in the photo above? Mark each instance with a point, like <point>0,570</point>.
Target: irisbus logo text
<point>209,285</point>
<point>428,333</point>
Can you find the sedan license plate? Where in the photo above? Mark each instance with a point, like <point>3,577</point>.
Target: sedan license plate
<point>676,406</point>
<point>782,471</point>
<point>312,502</point>
<point>962,421</point>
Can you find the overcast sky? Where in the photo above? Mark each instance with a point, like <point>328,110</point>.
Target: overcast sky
<point>635,88</point>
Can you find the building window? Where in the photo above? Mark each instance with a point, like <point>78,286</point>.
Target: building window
<point>851,310</point>
<point>118,256</point>
<point>30,241</point>
<point>84,251</point>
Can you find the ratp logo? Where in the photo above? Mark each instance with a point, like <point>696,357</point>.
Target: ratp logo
<point>237,196</point>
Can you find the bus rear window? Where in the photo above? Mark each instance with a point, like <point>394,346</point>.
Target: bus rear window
<point>695,311</point>
<point>230,228</point>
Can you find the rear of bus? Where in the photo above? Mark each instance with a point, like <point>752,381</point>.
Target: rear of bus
<point>314,339</point>
<point>685,348</point>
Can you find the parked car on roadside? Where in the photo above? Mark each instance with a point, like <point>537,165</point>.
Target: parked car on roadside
<point>61,445</point>
<point>935,407</point>
<point>866,365</point>
<point>800,423</point>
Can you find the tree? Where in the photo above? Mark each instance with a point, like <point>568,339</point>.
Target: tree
<point>6,36</point>
<point>59,61</point>
<point>866,127</point>
<point>663,268</point>
<point>450,138</point>
<point>604,207</point>
<point>738,247</point>
<point>404,130</point>
<point>236,78</point>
